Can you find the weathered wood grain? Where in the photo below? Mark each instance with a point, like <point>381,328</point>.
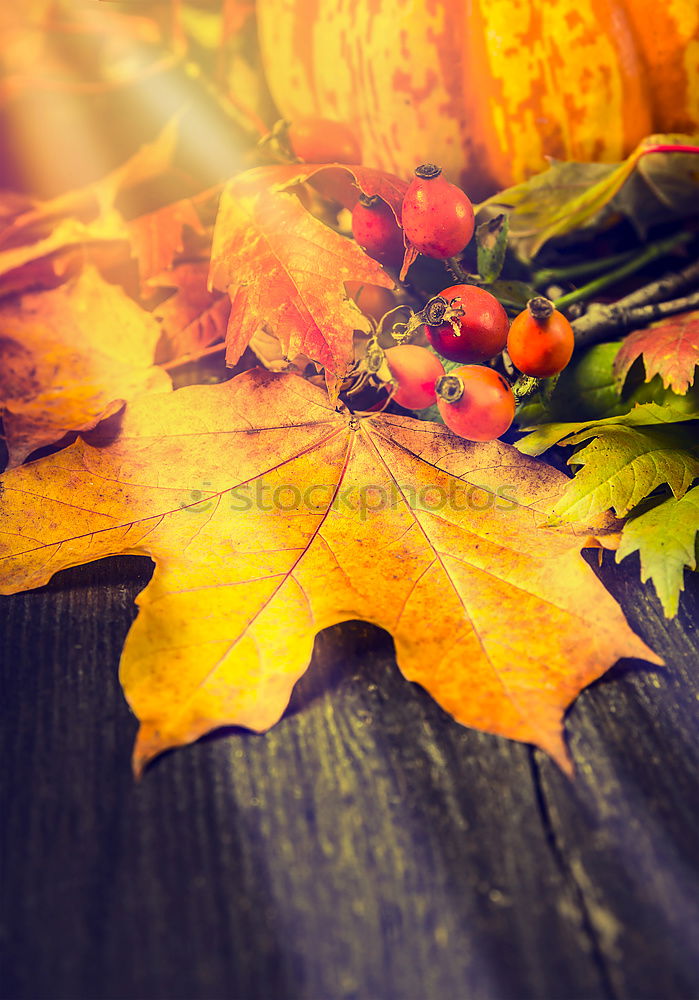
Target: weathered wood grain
<point>367,848</point>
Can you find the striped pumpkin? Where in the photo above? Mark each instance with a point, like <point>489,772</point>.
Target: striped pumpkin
<point>486,88</point>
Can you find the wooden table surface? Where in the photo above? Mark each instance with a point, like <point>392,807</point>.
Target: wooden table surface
<point>367,847</point>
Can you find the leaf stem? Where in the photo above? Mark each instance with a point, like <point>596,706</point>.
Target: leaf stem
<point>650,253</point>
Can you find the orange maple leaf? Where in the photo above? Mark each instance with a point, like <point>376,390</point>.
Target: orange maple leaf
<point>337,181</point>
<point>285,271</point>
<point>70,357</point>
<point>270,515</point>
<point>670,348</point>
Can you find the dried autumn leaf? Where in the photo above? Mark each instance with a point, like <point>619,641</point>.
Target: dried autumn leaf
<point>156,238</point>
<point>665,536</point>
<point>96,201</point>
<point>193,317</point>
<point>70,357</point>
<point>339,181</point>
<point>285,271</point>
<point>270,516</point>
<point>669,348</point>
<point>16,272</point>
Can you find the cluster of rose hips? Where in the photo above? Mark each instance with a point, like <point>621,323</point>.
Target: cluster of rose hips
<point>463,323</point>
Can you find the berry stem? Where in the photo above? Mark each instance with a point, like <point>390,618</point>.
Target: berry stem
<point>453,266</point>
<point>650,253</point>
<point>525,386</point>
<point>540,308</point>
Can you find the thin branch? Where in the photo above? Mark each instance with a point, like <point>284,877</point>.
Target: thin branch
<point>599,321</point>
<point>664,288</point>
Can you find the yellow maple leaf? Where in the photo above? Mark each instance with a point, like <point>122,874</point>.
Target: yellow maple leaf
<point>271,515</point>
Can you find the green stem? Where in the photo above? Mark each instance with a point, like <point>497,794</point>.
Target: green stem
<point>549,275</point>
<point>650,253</point>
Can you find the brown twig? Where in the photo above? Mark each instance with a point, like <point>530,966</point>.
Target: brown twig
<point>639,308</point>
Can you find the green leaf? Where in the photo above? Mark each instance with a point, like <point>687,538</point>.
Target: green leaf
<point>587,388</point>
<point>590,387</point>
<point>572,196</point>
<point>623,465</point>
<point>666,539</point>
<point>545,205</point>
<point>513,295</point>
<point>572,432</point>
<point>661,188</point>
<point>491,243</point>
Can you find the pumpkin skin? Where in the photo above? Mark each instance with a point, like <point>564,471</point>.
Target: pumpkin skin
<point>486,88</point>
<point>667,34</point>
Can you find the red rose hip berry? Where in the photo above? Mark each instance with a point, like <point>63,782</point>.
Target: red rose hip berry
<point>415,371</point>
<point>320,140</point>
<point>475,402</point>
<point>375,229</point>
<point>541,340</point>
<point>466,324</point>
<point>373,300</point>
<point>436,216</point>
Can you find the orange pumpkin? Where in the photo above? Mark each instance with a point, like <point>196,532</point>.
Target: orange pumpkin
<point>486,88</point>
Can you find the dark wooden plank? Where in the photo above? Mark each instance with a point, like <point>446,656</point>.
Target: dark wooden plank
<point>629,830</point>
<point>367,847</point>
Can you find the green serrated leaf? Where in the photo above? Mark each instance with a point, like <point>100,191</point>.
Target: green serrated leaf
<point>666,539</point>
<point>491,243</point>
<point>572,432</point>
<point>623,465</point>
